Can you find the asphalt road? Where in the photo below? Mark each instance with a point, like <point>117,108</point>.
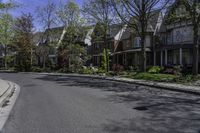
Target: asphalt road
<point>52,104</point>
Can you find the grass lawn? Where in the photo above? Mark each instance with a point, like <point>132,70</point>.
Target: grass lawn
<point>152,77</point>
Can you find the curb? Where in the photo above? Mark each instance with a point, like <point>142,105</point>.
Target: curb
<point>158,85</point>
<point>5,91</point>
<point>9,102</point>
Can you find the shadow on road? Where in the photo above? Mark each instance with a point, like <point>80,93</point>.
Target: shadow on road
<point>163,111</point>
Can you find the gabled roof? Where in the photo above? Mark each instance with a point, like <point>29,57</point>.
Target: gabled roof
<point>37,38</point>
<point>126,34</point>
<point>154,20</point>
<point>120,33</point>
<point>167,13</point>
<point>114,30</point>
<point>88,37</point>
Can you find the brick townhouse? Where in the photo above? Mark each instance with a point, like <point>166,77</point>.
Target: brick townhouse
<point>176,38</point>
<point>129,48</point>
<point>124,43</point>
<point>169,41</point>
<point>97,43</point>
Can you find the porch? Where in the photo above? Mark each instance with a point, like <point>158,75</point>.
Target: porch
<point>131,57</point>
<point>173,57</point>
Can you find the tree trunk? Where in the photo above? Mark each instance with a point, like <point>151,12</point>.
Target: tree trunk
<point>195,61</point>
<point>107,56</point>
<point>44,62</point>
<point>31,57</point>
<point>39,61</point>
<point>5,58</point>
<point>143,55</point>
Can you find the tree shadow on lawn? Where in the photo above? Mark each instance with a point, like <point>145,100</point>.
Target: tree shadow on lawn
<point>163,111</point>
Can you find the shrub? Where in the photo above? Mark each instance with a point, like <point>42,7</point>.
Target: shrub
<point>64,70</point>
<point>101,71</point>
<point>111,73</point>
<point>169,71</point>
<point>186,70</point>
<point>177,70</point>
<point>173,70</point>
<point>123,73</point>
<point>155,77</point>
<point>105,60</point>
<point>134,68</point>
<point>155,69</point>
<point>87,70</point>
<point>47,69</point>
<point>36,69</point>
<point>117,68</point>
<point>186,78</point>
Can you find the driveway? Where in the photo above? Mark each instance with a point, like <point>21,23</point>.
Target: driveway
<point>59,104</point>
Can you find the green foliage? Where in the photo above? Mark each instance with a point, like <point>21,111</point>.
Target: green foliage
<point>63,70</point>
<point>155,77</point>
<point>69,14</point>
<point>73,57</point>
<point>186,79</point>
<point>23,39</point>
<point>105,61</point>
<point>6,34</point>
<point>9,60</point>
<point>101,71</point>
<point>36,69</point>
<point>117,68</point>
<point>177,70</point>
<point>39,69</point>
<point>87,70</point>
<point>134,68</point>
<point>155,69</point>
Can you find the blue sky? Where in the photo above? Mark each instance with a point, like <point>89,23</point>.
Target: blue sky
<point>29,6</point>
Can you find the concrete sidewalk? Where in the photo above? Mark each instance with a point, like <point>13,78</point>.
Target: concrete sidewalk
<point>4,86</point>
<point>8,94</point>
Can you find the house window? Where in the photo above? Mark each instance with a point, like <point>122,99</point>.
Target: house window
<point>137,42</point>
<point>96,46</point>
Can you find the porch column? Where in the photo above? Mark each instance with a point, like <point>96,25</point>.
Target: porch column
<point>166,57</point>
<point>154,58</point>
<point>181,56</point>
<point>125,59</point>
<point>161,58</point>
<point>117,59</point>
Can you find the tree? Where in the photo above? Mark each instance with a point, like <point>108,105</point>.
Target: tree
<point>69,16</point>
<point>104,62</point>
<point>193,6</point>
<point>47,15</point>
<point>23,39</point>
<point>6,31</point>
<point>137,16</point>
<point>78,57</point>
<point>47,18</point>
<point>103,13</point>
